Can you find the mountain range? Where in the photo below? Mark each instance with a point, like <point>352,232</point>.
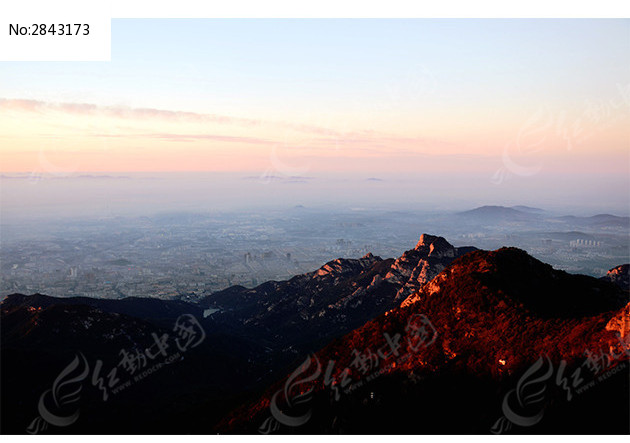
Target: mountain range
<point>491,315</point>
<point>310,309</point>
<point>431,342</point>
<point>522,214</point>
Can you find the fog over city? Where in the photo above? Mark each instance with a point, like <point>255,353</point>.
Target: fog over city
<point>182,236</point>
<point>31,196</point>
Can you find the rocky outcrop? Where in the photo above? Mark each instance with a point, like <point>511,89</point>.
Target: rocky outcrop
<point>462,342</point>
<point>620,324</point>
<point>619,275</point>
<point>418,266</point>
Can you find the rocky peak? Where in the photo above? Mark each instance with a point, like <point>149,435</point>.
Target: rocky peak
<point>419,265</point>
<point>435,246</point>
<point>342,266</point>
<point>426,240</point>
<point>529,283</point>
<point>619,275</point>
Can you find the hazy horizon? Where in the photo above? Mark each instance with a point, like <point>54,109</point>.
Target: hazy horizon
<point>448,114</point>
<point>89,195</point>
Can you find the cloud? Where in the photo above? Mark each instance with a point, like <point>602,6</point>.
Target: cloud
<point>124,112</point>
<point>172,137</point>
<point>320,138</point>
<point>120,111</point>
<point>128,113</point>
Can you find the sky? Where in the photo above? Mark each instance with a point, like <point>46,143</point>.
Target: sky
<point>522,105</point>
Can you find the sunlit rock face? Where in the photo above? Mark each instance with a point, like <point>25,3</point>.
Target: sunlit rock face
<point>472,332</point>
<point>620,323</point>
<point>341,266</point>
<point>619,275</point>
<point>418,266</point>
<point>339,296</point>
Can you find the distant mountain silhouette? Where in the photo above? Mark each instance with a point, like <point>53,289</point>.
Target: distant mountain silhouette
<point>599,220</point>
<point>528,209</point>
<point>503,214</point>
<point>497,214</point>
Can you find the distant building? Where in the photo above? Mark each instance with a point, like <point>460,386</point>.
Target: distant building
<point>581,243</point>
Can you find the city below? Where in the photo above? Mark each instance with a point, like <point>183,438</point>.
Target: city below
<point>189,255</point>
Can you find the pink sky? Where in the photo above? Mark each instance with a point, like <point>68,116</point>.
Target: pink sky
<point>67,137</point>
